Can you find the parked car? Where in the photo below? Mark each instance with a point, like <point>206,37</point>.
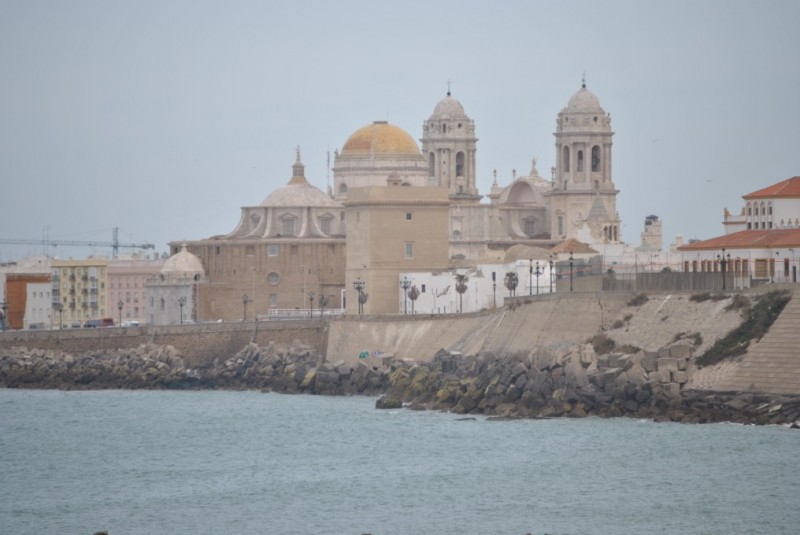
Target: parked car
<point>104,322</point>
<point>130,323</point>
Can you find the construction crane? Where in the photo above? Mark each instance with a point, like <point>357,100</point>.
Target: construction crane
<point>114,243</point>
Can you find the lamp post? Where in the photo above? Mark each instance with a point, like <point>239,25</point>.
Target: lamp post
<point>723,263</point>
<point>570,270</point>
<point>405,284</point>
<point>58,307</point>
<point>181,302</point>
<point>494,289</point>
<point>311,304</point>
<point>120,304</point>
<point>245,300</point>
<point>551,273</point>
<point>538,271</point>
<point>530,276</point>
<point>4,306</point>
<point>323,302</point>
<point>358,284</point>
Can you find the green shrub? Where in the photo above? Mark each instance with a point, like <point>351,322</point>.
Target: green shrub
<point>602,344</point>
<point>756,324</point>
<point>638,300</point>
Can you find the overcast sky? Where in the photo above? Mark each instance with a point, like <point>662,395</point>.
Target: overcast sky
<point>163,118</point>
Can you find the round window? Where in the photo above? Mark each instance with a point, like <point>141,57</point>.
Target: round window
<point>273,278</point>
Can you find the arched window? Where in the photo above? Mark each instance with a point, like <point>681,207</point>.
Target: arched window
<point>530,227</point>
<point>444,128</point>
<point>580,161</point>
<point>456,234</point>
<point>342,188</point>
<point>595,158</point>
<point>273,278</point>
<point>431,165</point>
<point>749,209</point>
<point>459,164</point>
<point>566,159</point>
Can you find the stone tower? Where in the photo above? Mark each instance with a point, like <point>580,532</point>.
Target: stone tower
<point>449,145</point>
<point>583,197</point>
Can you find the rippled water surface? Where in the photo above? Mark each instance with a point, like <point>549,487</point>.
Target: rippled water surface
<point>245,462</point>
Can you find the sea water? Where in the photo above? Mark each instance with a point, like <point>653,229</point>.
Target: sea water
<point>217,462</point>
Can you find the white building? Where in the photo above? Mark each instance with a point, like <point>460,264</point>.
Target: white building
<point>761,244</point>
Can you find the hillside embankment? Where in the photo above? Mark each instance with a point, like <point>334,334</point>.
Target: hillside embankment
<point>574,355</point>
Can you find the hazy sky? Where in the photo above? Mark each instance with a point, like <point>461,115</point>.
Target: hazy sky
<point>163,118</point>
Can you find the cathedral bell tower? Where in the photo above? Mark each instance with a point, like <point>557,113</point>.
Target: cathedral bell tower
<point>449,144</point>
<point>583,197</point>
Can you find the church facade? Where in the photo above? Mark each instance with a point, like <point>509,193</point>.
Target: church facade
<point>294,247</point>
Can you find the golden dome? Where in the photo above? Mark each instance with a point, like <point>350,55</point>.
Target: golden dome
<point>380,137</point>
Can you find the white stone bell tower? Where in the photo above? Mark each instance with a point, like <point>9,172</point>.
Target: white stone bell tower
<point>449,144</point>
<point>583,197</point>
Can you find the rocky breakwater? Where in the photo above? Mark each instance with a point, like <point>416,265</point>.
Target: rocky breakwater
<point>576,382</point>
<point>296,369</point>
<point>290,368</point>
<point>147,366</point>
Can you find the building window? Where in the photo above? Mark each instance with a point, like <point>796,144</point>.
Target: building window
<point>217,251</point>
<point>288,226</point>
<point>566,159</point>
<point>325,224</point>
<point>273,300</point>
<point>456,234</point>
<point>530,229</point>
<point>409,216</point>
<point>431,165</point>
<point>250,250</point>
<point>272,250</point>
<point>459,164</point>
<point>409,250</point>
<point>560,225</point>
<point>293,250</point>
<point>343,188</point>
<point>273,278</point>
<point>595,158</point>
<point>580,161</point>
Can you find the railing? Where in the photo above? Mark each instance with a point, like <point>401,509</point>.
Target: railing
<point>299,313</point>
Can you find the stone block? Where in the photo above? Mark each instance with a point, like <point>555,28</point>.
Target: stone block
<point>682,364</point>
<point>623,362</point>
<point>667,364</point>
<point>678,377</point>
<point>661,376</point>
<point>680,351</point>
<point>607,377</point>
<point>663,353</point>
<point>650,361</point>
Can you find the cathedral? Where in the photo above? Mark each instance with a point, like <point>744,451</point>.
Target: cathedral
<point>289,252</point>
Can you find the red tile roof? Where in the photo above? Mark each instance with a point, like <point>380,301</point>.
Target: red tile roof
<point>750,239</point>
<point>786,188</point>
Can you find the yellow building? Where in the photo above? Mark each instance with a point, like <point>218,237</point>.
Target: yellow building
<point>79,289</point>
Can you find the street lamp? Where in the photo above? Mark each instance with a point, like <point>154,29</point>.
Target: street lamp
<point>120,304</point>
<point>530,276</point>
<point>551,273</point>
<point>323,302</point>
<point>181,302</point>
<point>570,270</point>
<point>538,271</point>
<point>358,284</point>
<point>723,262</point>
<point>4,306</point>
<point>405,284</point>
<point>245,300</point>
<point>58,307</point>
<point>494,289</point>
<point>311,304</point>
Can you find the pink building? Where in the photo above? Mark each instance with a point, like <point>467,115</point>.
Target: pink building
<point>126,291</point>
